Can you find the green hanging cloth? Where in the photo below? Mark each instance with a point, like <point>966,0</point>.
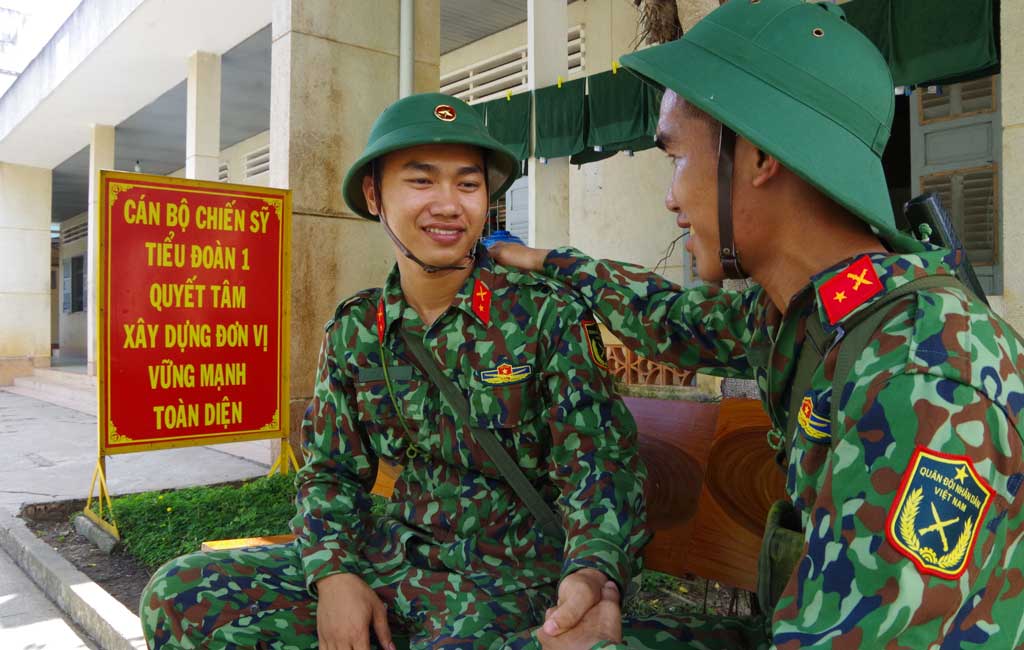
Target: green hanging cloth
<point>928,42</point>
<point>589,155</point>
<point>627,116</point>
<point>508,120</point>
<point>560,122</point>
<point>481,110</point>
<point>617,105</point>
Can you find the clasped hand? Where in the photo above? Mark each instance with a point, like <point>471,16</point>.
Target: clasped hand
<point>588,611</point>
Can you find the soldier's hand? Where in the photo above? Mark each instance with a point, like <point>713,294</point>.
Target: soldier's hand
<point>519,256</point>
<point>603,622</point>
<point>346,609</point>
<point>577,594</point>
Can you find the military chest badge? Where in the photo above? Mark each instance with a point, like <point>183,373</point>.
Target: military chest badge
<point>506,373</point>
<point>938,512</point>
<point>815,427</point>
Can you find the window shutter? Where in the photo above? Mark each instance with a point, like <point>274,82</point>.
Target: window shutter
<point>969,195</point>
<point>257,162</point>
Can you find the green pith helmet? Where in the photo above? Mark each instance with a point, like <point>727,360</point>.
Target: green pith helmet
<point>798,82</point>
<point>429,118</point>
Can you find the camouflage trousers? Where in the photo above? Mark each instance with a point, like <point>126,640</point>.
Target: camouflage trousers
<point>257,598</point>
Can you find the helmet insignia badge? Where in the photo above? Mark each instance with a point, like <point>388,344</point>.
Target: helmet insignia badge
<point>444,112</point>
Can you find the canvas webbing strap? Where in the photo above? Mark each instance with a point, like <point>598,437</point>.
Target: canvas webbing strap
<point>851,342</point>
<point>542,513</point>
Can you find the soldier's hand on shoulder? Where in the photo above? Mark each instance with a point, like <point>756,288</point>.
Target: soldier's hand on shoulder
<point>602,622</point>
<point>346,609</point>
<point>518,256</point>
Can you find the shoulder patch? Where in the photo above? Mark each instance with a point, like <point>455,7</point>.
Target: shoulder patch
<point>849,289</point>
<point>595,344</point>
<point>368,296</point>
<point>937,514</point>
<point>813,419</point>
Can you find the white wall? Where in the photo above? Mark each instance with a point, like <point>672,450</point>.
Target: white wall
<point>1012,102</point>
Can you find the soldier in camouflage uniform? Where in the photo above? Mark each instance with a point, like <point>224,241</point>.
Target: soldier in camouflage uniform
<point>902,451</point>
<point>456,560</point>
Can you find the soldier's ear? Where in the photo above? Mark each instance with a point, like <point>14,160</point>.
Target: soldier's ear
<point>762,166</point>
<point>370,194</point>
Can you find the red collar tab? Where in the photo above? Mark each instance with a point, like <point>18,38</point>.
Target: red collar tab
<point>482,302</point>
<point>380,320</point>
<point>849,288</point>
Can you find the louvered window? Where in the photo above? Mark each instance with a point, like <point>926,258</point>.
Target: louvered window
<point>969,195</point>
<point>507,72</point>
<point>223,172</point>
<point>958,100</point>
<point>257,162</point>
<point>70,234</point>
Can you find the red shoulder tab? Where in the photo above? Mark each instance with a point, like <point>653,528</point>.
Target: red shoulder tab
<point>849,289</point>
<point>380,320</point>
<point>482,302</point>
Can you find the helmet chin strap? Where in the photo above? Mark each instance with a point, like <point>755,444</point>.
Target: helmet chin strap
<point>427,268</point>
<point>727,254</point>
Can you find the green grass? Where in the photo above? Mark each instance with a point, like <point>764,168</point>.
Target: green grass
<point>159,526</point>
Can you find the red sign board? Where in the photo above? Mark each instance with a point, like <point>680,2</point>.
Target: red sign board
<point>193,320</point>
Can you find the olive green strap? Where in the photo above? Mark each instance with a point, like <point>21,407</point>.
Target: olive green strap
<point>851,342</point>
<point>542,513</point>
<point>859,332</point>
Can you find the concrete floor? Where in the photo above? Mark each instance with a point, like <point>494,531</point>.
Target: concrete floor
<point>50,453</point>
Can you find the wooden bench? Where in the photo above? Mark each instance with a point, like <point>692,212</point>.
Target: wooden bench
<point>712,478</point>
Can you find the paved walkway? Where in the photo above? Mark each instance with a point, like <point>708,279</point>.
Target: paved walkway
<point>49,455</point>
<point>28,620</point>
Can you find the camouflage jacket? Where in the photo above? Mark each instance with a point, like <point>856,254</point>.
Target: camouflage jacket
<point>519,347</point>
<point>909,503</point>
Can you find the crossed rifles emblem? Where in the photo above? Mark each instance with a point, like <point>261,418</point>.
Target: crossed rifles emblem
<point>940,527</point>
<point>857,279</point>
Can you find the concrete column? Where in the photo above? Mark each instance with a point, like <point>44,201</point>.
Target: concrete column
<point>202,122</point>
<point>101,156</point>
<point>547,24</point>
<point>406,48</point>
<point>318,127</point>
<point>25,195</point>
<point>1012,105</point>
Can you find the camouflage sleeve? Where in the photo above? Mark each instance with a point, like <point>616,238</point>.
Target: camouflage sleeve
<point>594,458</point>
<point>333,503</point>
<point>703,327</point>
<point>903,504</point>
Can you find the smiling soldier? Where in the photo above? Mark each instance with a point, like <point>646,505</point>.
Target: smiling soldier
<point>521,487</point>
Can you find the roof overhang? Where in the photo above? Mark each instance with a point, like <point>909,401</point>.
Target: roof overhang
<point>109,59</point>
